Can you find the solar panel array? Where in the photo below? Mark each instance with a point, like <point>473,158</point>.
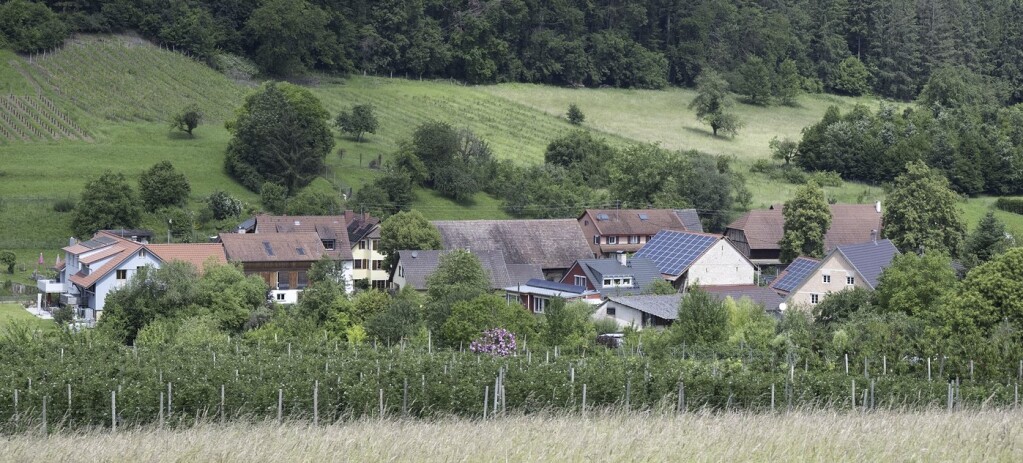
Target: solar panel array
<point>795,274</point>
<point>673,252</point>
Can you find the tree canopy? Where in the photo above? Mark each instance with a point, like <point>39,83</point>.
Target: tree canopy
<point>712,104</point>
<point>162,185</point>
<point>280,135</point>
<point>107,202</point>
<point>406,230</point>
<point>807,219</point>
<point>922,213</point>
<point>357,120</point>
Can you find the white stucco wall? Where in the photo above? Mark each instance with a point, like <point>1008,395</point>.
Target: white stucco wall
<point>838,268</point>
<point>284,296</point>
<point>347,272</point>
<point>624,316</point>
<point>722,264</point>
<point>109,282</point>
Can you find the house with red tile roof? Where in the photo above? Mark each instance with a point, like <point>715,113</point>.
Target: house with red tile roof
<point>757,233</point>
<point>95,267</point>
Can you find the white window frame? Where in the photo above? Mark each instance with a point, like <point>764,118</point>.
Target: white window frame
<point>612,239</point>
<point>826,278</point>
<point>850,281</point>
<point>815,298</point>
<point>579,280</point>
<point>280,296</point>
<point>118,273</point>
<point>539,304</point>
<point>633,239</point>
<point>596,239</point>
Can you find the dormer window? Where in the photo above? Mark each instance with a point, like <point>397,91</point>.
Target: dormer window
<point>617,281</point>
<point>328,244</point>
<point>612,240</point>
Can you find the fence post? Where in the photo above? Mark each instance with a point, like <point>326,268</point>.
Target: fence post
<point>45,430</point>
<point>884,362</point>
<point>170,397</point>
<point>628,392</point>
<point>853,395</point>
<point>584,399</point>
<point>846,363</point>
<point>222,404</point>
<point>928,368</point>
<point>381,403</point>
<point>772,397</point>
<point>161,411</point>
<point>316,402</point>
<point>113,411</point>
<point>681,396</point>
<point>69,397</point>
<point>486,400</point>
<point>404,399</point>
<point>280,406</point>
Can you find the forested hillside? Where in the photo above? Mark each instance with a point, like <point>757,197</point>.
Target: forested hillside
<point>886,47</point>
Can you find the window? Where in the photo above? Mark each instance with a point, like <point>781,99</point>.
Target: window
<point>634,239</point>
<point>283,280</point>
<point>280,296</point>
<point>613,282</point>
<point>303,279</point>
<point>122,274</point>
<point>827,278</point>
<point>815,298</point>
<point>580,280</point>
<point>401,271</point>
<point>376,244</point>
<point>379,284</point>
<point>142,253</point>
<point>378,264</point>
<point>362,244</point>
<point>361,264</point>
<point>612,240</point>
<point>328,244</point>
<point>596,239</point>
<point>850,281</point>
<point>610,311</point>
<point>539,304</point>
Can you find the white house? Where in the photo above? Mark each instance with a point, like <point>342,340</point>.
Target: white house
<point>640,312</point>
<point>691,258</point>
<point>94,268</point>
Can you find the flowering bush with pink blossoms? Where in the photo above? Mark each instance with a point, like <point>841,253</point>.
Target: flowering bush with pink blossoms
<point>497,342</point>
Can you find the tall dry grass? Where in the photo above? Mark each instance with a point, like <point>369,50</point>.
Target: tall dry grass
<point>798,436</point>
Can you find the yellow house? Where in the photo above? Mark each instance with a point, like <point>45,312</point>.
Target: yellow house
<point>807,281</point>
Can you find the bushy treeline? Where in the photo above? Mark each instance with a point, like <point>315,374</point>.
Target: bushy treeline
<point>889,47</point>
<point>579,171</point>
<point>957,127</point>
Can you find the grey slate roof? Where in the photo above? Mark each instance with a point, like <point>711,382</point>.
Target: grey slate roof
<point>762,295</point>
<point>643,272</point>
<point>870,258</point>
<point>549,243</point>
<point>665,307</point>
<point>690,219</point>
<point>417,269</point>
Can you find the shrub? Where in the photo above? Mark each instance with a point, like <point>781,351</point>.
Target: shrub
<point>575,115</point>
<point>1014,205</point>
<point>63,315</point>
<point>8,259</point>
<point>64,205</point>
<point>762,166</point>
<point>498,342</point>
<point>223,205</point>
<point>826,178</point>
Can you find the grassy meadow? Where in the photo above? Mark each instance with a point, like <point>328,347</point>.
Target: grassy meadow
<point>15,313</point>
<point>120,91</point>
<point>825,436</point>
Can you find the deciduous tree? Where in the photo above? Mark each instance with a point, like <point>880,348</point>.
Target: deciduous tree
<point>807,219</point>
<point>107,201</point>
<point>406,230</point>
<point>712,104</point>
<point>162,186</point>
<point>922,212</point>
<point>187,120</point>
<point>357,120</point>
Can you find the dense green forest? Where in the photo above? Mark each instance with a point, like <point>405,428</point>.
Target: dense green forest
<point>889,48</point>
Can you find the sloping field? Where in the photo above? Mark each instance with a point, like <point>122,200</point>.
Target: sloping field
<point>121,78</point>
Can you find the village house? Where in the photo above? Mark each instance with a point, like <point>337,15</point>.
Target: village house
<point>95,267</point>
<point>613,277</point>
<point>847,266</point>
<point>414,267</point>
<point>757,233</point>
<point>772,302</point>
<point>551,244</point>
<point>690,258</point>
<point>611,231</point>
<point>537,293</point>
<point>282,260</point>
<point>639,312</point>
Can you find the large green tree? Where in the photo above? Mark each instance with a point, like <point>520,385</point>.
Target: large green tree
<point>280,135</point>
<point>357,120</point>
<point>285,34</point>
<point>915,284</point>
<point>162,185</point>
<point>922,212</point>
<point>713,103</point>
<point>406,230</point>
<point>29,27</point>
<point>989,239</point>
<point>107,202</point>
<point>807,219</point>
<point>459,277</point>
<point>702,319</point>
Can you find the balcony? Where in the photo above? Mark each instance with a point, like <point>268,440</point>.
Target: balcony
<point>49,286</point>
<point>68,299</point>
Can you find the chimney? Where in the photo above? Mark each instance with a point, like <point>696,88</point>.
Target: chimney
<point>622,259</point>
<point>72,241</point>
<point>873,236</point>
<point>877,207</point>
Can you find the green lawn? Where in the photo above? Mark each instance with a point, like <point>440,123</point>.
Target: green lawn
<point>15,313</point>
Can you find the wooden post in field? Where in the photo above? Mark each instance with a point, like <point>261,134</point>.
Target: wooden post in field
<point>846,363</point>
<point>429,342</point>
<point>280,406</point>
<point>69,397</point>
<point>316,403</point>
<point>113,411</point>
<point>222,419</point>
<point>681,397</point>
<point>971,370</point>
<point>584,399</point>
<point>1015,400</point>
<point>853,394</point>
<point>948,396</point>
<point>15,405</point>
<point>404,399</point>
<point>866,370</point>
<point>170,405</point>
<point>928,368</point>
<point>486,400</point>
<point>44,414</point>
<point>871,394</point>
<point>772,397</point>
<point>161,411</point>
<point>884,363</point>
<point>628,392</point>
<point>381,403</point>
<point>1019,373</point>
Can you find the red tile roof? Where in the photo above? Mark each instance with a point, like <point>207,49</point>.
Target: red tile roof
<point>850,224</point>
<point>196,254</point>
<point>273,247</point>
<point>630,222</point>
